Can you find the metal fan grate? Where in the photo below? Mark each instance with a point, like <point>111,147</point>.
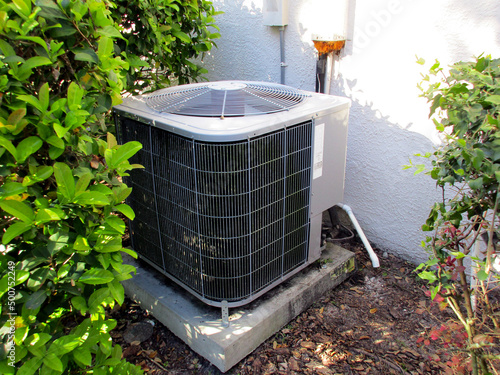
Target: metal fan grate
<point>224,220</point>
<point>225,99</point>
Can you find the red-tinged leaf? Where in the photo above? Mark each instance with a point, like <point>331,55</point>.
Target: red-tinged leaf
<point>427,342</point>
<point>420,339</point>
<point>438,298</point>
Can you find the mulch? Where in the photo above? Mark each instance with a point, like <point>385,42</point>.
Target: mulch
<point>379,321</point>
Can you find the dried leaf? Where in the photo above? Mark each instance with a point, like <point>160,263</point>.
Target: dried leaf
<point>94,163</point>
<point>373,311</point>
<point>308,345</point>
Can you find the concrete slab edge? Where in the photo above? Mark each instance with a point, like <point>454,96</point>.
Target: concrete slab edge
<point>249,326</point>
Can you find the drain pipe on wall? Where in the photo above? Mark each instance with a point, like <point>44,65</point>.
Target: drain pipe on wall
<point>282,54</point>
<point>275,14</point>
<point>373,256</point>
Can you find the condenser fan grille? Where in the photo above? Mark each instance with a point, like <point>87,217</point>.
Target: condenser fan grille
<point>225,99</point>
<point>225,220</point>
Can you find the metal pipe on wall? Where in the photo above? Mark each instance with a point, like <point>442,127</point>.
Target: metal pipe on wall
<point>282,54</point>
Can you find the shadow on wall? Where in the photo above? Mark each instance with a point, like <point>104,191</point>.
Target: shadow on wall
<point>390,203</point>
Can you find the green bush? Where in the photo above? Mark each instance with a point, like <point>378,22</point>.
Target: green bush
<point>465,106</point>
<point>167,34</point>
<point>62,66</point>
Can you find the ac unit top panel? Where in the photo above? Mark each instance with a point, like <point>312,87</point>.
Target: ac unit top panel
<point>228,110</point>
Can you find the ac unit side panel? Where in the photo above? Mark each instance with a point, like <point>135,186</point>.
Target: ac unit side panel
<point>329,158</point>
<point>228,220</point>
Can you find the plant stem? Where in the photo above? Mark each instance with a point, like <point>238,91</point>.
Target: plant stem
<point>491,247</point>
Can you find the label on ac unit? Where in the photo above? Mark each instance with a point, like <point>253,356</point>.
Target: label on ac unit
<point>319,144</point>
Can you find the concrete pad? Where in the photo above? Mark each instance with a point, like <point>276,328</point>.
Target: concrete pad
<point>200,326</point>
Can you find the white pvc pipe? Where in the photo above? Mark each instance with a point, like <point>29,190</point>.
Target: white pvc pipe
<point>373,256</point>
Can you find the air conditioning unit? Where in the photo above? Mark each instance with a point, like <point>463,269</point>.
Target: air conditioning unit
<point>236,178</point>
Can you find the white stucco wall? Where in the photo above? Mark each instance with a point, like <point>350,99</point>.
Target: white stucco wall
<point>377,70</point>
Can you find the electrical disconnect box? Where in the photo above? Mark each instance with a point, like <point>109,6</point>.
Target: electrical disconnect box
<point>275,12</point>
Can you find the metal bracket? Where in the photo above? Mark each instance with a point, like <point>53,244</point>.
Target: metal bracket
<point>225,314</point>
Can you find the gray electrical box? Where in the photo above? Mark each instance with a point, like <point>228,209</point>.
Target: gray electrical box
<point>275,12</point>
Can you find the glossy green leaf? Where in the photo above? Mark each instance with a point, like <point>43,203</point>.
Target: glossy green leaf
<point>96,276</point>
<point>36,299</point>
<point>15,230</point>
<point>64,344</point>
<point>46,215</point>
<point>27,147</point>
<point>81,244</point>
<point>123,153</point>
<point>5,143</point>
<point>83,356</point>
<point>116,223</point>
<point>57,242</point>
<point>75,96</point>
<point>91,198</point>
<point>11,188</point>
<point>44,96</point>
<point>126,210</point>
<point>83,182</point>
<point>182,36</point>
<point>117,291</point>
<point>50,360</point>
<point>20,210</point>
<point>87,54</point>
<point>79,303</point>
<point>35,62</point>
<point>110,31</point>
<point>55,141</point>
<point>65,180</point>
<point>98,298</point>
<point>30,366</point>
<point>21,276</point>
<point>42,173</point>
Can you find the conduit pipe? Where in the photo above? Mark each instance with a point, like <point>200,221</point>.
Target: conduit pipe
<point>373,256</point>
<point>282,54</point>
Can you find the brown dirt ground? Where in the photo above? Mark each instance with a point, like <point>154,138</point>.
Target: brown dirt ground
<point>370,324</point>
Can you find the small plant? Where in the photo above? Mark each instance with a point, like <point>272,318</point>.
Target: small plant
<point>465,106</point>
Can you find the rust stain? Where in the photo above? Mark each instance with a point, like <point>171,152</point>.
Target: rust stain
<point>329,46</point>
